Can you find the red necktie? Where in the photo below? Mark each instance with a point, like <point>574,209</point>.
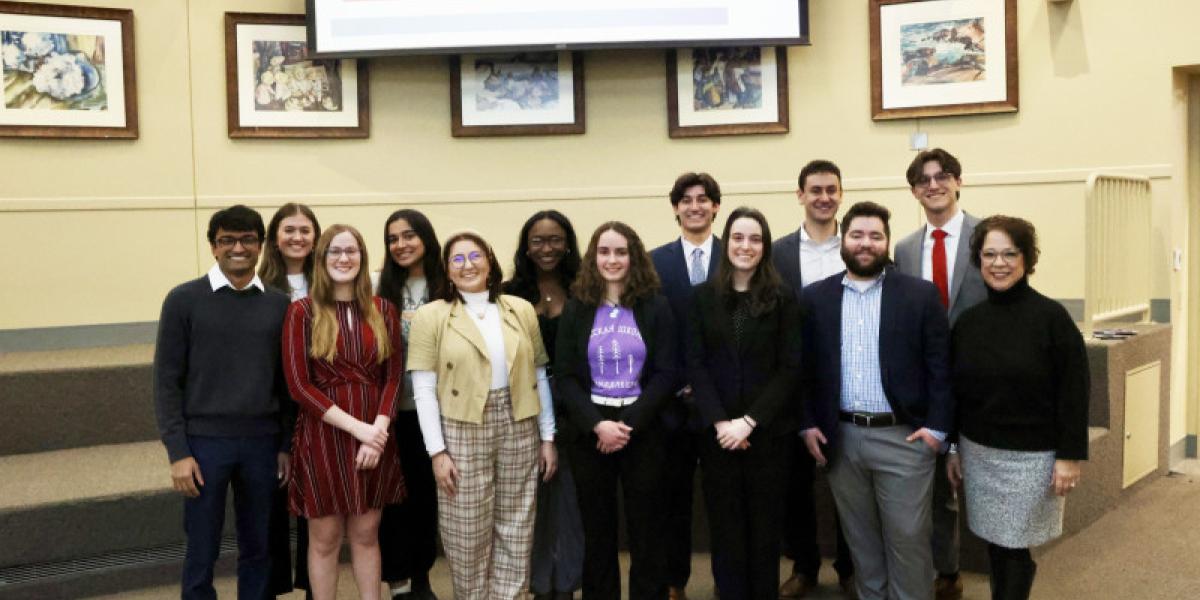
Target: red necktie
<point>939,266</point>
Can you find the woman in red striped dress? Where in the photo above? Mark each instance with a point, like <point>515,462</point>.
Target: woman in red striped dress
<point>343,363</point>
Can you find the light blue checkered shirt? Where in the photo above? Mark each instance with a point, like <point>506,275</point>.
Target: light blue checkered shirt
<point>862,384</point>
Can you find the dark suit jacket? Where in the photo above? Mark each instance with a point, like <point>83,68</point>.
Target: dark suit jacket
<point>659,376</point>
<point>914,353</point>
<point>757,378</point>
<point>673,273</point>
<point>785,255</point>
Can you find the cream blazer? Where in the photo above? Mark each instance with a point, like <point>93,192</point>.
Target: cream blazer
<point>444,340</point>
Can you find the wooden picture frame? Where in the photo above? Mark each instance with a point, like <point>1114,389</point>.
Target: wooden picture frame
<point>743,90</point>
<point>274,90</point>
<point>933,58</point>
<point>68,72</point>
<point>516,93</point>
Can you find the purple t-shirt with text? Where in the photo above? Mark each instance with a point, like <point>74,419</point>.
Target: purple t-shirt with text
<point>616,353</point>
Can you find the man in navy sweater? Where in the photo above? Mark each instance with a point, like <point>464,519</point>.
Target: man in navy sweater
<point>221,403</point>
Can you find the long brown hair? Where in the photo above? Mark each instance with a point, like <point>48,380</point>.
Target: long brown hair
<point>641,281</point>
<point>764,284</point>
<point>323,344</point>
<point>273,270</point>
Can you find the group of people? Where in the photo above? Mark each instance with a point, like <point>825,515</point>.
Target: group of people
<point>438,399</point>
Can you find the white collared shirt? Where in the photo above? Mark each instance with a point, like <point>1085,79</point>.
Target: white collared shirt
<point>705,253</point>
<point>819,260</point>
<point>953,229</point>
<point>218,280</point>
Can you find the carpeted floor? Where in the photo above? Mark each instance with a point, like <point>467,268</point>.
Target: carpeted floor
<point>1147,549</point>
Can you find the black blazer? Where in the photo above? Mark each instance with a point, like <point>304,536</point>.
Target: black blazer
<point>659,376</point>
<point>785,254</point>
<point>672,269</point>
<point>914,353</point>
<point>758,378</point>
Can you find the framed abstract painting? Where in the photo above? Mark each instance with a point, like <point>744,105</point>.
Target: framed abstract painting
<point>943,57</point>
<point>731,90</point>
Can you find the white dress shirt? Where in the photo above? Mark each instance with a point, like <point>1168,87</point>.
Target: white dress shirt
<point>819,260</point>
<point>705,256</point>
<point>953,229</point>
<point>218,280</point>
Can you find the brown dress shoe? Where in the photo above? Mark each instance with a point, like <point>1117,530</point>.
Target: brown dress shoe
<point>676,593</point>
<point>946,589</point>
<point>797,586</point>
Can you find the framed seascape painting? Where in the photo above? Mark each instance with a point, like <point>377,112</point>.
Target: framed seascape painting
<point>519,93</point>
<point>68,72</point>
<point>727,91</point>
<point>274,89</point>
<point>943,57</point>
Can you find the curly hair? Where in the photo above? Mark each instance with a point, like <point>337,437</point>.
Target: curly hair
<point>1020,231</point>
<point>641,281</point>
<point>525,272</point>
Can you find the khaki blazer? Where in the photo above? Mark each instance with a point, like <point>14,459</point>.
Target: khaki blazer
<point>443,339</point>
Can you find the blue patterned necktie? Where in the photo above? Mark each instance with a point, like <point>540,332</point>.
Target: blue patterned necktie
<point>697,275</point>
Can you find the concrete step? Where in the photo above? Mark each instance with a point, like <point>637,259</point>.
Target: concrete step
<point>81,502</point>
<point>76,398</point>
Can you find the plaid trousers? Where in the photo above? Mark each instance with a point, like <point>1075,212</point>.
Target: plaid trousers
<point>487,527</point>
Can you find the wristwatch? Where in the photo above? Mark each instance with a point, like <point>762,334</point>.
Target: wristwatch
<point>953,449</point>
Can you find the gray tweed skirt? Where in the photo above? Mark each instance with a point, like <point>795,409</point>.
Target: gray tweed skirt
<point>1010,501</point>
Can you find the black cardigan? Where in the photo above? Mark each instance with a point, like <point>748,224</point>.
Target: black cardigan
<point>659,378</point>
<point>759,377</point>
<point>1021,374</point>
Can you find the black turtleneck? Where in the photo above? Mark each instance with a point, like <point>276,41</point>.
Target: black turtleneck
<point>1021,374</point>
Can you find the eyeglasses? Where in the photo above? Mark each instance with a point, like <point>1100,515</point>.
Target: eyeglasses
<point>1007,257</point>
<point>459,261</point>
<point>555,241</point>
<point>247,241</point>
<point>350,253</point>
<point>941,177</point>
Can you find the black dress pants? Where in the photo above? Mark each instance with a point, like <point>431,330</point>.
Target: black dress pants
<point>679,487</point>
<point>638,470</point>
<point>800,524</point>
<point>743,490</point>
<point>408,531</point>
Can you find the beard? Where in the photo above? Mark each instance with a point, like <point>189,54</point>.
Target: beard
<point>871,269</point>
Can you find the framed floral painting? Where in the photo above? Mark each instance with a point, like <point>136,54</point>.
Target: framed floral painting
<point>275,89</point>
<point>731,90</point>
<point>68,72</point>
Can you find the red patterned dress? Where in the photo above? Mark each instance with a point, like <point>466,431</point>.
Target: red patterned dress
<point>324,479</point>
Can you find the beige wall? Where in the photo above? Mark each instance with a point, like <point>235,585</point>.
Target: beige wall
<point>97,232</point>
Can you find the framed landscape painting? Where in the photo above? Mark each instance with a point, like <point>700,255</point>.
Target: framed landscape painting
<point>516,93</point>
<point>68,72</point>
<point>727,91</point>
<point>943,57</point>
<point>274,89</point>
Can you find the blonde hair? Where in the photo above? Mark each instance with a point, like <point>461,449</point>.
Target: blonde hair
<point>323,343</point>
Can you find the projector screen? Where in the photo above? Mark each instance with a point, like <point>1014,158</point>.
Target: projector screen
<point>378,27</point>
